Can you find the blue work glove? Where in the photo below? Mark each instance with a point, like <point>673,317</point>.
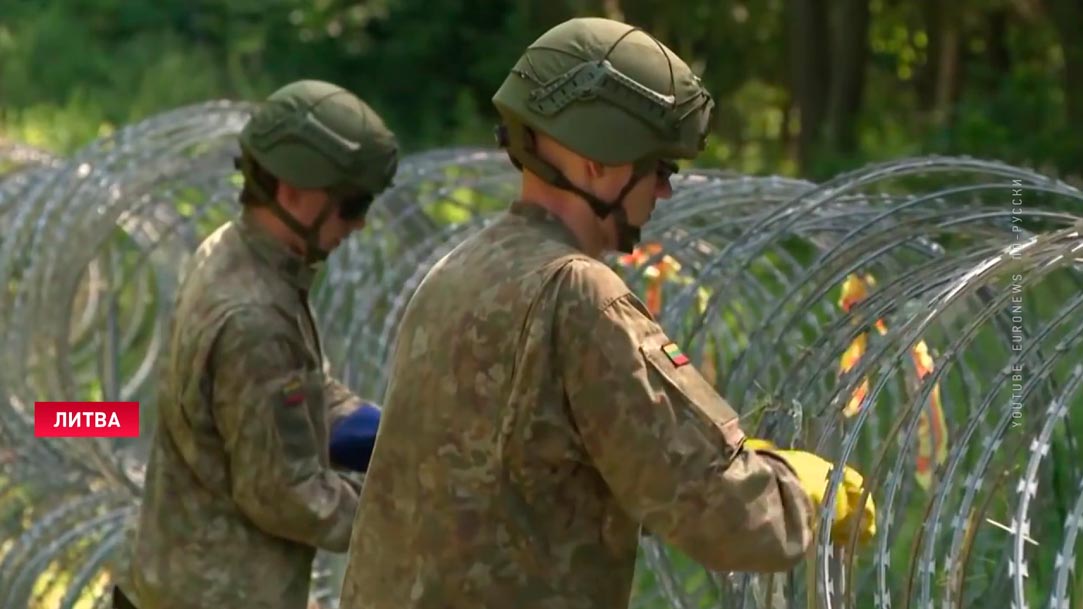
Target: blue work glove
<point>353,437</point>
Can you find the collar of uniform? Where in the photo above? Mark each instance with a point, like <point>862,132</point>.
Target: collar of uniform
<point>275,254</point>
<point>539,216</point>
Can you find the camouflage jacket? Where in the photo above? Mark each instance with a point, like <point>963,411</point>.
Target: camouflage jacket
<point>239,491</point>
<point>536,417</point>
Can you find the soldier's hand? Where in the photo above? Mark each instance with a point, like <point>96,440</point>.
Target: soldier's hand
<point>813,472</point>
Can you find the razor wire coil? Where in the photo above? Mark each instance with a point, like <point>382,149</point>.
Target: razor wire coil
<point>952,284</point>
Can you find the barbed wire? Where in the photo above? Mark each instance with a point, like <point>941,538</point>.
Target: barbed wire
<point>918,319</point>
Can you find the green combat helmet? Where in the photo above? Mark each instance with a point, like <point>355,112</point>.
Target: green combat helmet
<point>315,135</point>
<point>610,92</point>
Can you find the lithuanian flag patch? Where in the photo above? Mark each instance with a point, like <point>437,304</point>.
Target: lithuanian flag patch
<point>675,355</point>
<point>292,393</point>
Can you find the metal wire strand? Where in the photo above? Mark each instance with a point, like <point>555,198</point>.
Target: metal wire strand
<point>976,264</point>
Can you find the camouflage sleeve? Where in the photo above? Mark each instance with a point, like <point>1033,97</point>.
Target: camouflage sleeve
<point>264,400</point>
<point>340,400</point>
<point>669,447</point>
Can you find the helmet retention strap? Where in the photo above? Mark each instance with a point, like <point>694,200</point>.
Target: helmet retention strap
<point>521,152</point>
<point>310,234</point>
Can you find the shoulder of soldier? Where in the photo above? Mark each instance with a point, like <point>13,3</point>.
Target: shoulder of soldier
<point>209,255</point>
<point>588,283</point>
<point>222,274</point>
<point>246,326</point>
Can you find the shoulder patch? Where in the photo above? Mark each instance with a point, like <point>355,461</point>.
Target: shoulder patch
<point>293,392</point>
<point>675,355</point>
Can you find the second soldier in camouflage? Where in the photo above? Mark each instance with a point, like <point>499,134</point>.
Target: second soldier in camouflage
<point>240,488</point>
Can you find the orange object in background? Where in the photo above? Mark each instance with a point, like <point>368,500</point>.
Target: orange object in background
<point>667,269</point>
<point>932,428</point>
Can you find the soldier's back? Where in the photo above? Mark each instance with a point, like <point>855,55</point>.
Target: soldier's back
<point>480,493</point>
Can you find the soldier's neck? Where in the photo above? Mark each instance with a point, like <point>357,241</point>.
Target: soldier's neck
<point>271,224</point>
<point>573,211</point>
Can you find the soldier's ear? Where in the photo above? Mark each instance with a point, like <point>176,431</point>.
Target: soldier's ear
<point>595,170</point>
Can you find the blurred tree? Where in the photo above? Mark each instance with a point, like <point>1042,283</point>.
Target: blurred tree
<point>1067,15</point>
<point>803,86</point>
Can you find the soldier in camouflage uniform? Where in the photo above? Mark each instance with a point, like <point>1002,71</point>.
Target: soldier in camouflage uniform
<point>241,489</point>
<point>537,416</point>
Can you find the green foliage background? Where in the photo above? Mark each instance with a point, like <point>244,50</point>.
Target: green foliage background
<point>868,75</point>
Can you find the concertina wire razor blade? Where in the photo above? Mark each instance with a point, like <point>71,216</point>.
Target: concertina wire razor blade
<point>921,320</point>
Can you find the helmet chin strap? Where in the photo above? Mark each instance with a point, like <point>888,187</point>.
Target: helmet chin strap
<point>313,252</point>
<point>521,154</point>
<point>627,234</point>
<point>309,234</point>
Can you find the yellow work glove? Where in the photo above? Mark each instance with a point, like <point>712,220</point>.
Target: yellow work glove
<point>813,472</point>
